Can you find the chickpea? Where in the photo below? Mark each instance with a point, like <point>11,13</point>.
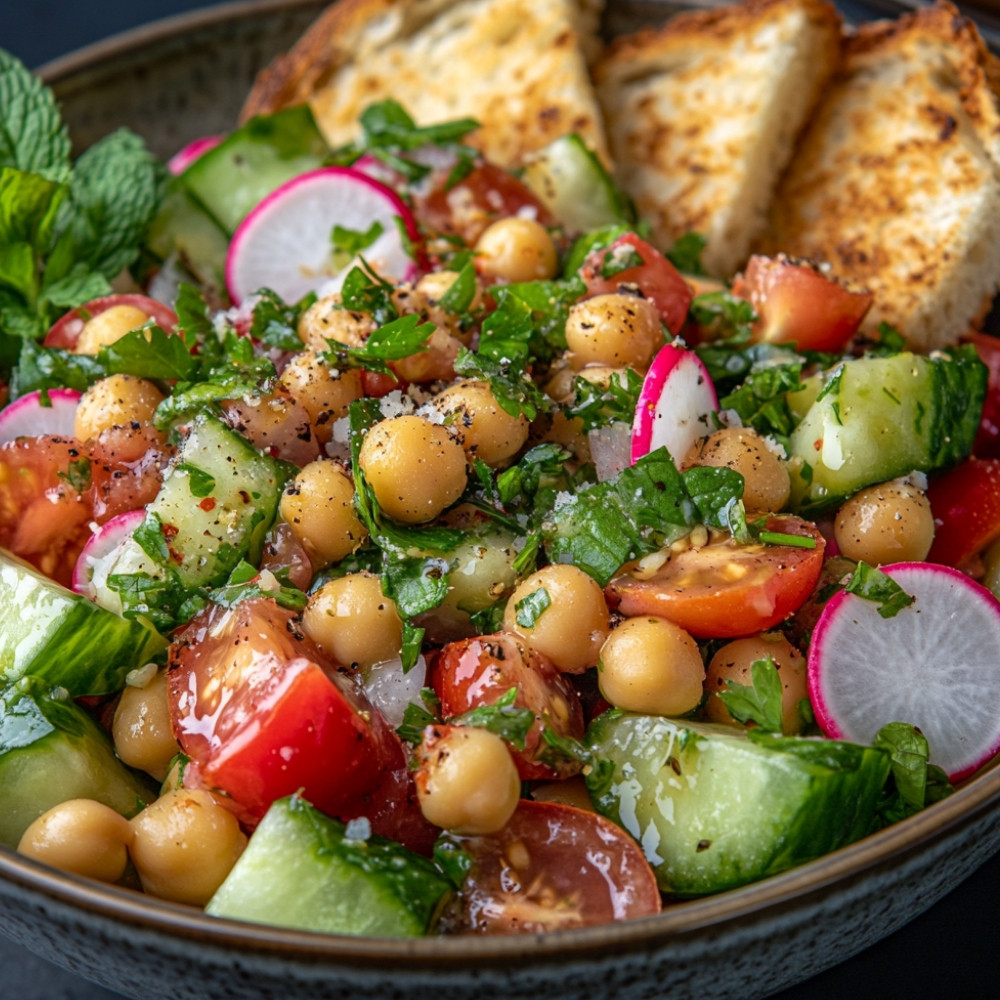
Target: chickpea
<point>570,792</point>
<point>141,727</point>
<point>434,286</point>
<point>615,330</point>
<point>352,621</point>
<point>324,393</point>
<point>108,326</point>
<point>415,468</point>
<point>733,661</point>
<point>572,626</point>
<point>888,523</point>
<point>436,362</point>
<point>81,836</point>
<point>767,483</point>
<point>485,429</point>
<point>327,319</point>
<point>651,665</point>
<point>516,249</point>
<point>466,780</point>
<point>318,506</point>
<point>184,845</point>
<point>115,401</point>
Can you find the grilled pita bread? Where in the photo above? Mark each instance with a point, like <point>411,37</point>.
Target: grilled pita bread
<point>702,115</point>
<point>897,181</point>
<point>517,66</point>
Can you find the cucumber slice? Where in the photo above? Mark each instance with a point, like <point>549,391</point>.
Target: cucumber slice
<point>63,638</point>
<point>713,809</point>
<point>214,507</point>
<point>301,870</point>
<point>870,420</point>
<point>253,161</point>
<point>52,751</point>
<point>572,183</point>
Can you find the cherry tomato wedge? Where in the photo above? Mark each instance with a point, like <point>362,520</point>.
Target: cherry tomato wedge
<point>479,671</point>
<point>260,717</point>
<point>554,867</point>
<point>66,331</point>
<point>44,502</point>
<point>795,303</point>
<point>466,207</point>
<point>965,502</point>
<point>651,273</point>
<point>725,590</point>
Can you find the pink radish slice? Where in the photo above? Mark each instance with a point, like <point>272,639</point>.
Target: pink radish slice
<point>285,243</point>
<point>183,159</point>
<point>936,665</point>
<point>101,545</point>
<point>675,405</point>
<point>29,417</point>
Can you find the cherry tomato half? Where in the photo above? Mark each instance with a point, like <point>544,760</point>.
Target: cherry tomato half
<point>654,276</point>
<point>66,331</point>
<point>260,717</point>
<point>724,590</point>
<point>479,671</point>
<point>965,502</point>
<point>554,867</point>
<point>797,304</point>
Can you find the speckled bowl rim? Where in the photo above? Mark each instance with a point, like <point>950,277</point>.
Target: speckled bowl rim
<point>889,846</point>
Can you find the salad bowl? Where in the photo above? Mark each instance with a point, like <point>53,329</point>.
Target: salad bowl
<point>173,82</point>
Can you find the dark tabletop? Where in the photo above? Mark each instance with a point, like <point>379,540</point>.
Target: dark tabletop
<point>950,951</point>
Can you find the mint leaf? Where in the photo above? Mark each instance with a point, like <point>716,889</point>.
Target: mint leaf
<point>760,701</point>
<point>32,135</point>
<point>151,353</point>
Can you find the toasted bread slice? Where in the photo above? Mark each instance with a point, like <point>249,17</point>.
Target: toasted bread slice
<point>517,66</point>
<point>897,181</point>
<point>702,115</point>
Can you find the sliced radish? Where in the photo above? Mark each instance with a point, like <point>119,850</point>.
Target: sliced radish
<point>98,555</point>
<point>28,416</point>
<point>183,159</point>
<point>285,243</point>
<point>675,406</point>
<point>935,664</point>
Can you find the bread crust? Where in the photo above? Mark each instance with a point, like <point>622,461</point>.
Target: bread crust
<point>517,66</point>
<point>702,115</point>
<point>897,181</point>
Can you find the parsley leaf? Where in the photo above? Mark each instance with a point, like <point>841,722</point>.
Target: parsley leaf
<point>915,783</point>
<point>760,701</point>
<point>874,585</point>
<point>501,718</point>
<point>509,382</point>
<point>599,405</point>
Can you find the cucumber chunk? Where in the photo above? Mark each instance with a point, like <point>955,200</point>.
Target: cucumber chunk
<point>253,161</point>
<point>301,870</point>
<point>63,638</point>
<point>572,183</point>
<point>216,502</point>
<point>52,751</point>
<point>713,809</point>
<point>870,420</point>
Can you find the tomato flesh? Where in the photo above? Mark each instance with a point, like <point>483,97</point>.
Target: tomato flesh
<point>796,304</point>
<point>479,671</point>
<point>724,590</point>
<point>554,867</point>
<point>655,278</point>
<point>965,502</point>
<point>65,332</point>
<point>261,718</point>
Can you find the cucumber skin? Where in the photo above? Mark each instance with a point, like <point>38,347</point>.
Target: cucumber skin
<point>235,176</point>
<point>784,802</point>
<point>63,638</point>
<point>886,417</point>
<point>52,751</point>
<point>299,870</point>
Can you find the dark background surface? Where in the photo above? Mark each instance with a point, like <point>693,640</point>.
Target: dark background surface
<point>950,951</point>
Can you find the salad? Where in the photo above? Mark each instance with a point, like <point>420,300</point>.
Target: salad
<point>414,548</point>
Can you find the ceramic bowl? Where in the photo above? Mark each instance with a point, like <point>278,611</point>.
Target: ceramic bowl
<point>185,78</point>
